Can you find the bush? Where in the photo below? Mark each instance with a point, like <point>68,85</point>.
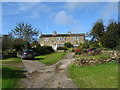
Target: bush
<point>68,45</point>
<point>42,50</point>
<point>61,48</point>
<point>9,53</point>
<point>117,47</point>
<point>77,51</point>
<point>47,49</point>
<point>83,46</point>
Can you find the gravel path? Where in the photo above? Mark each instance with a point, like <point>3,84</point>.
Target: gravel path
<point>54,76</point>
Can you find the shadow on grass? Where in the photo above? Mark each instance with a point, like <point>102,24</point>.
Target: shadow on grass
<point>8,73</point>
<point>34,59</point>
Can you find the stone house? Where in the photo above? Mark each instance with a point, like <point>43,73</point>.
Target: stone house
<point>57,40</point>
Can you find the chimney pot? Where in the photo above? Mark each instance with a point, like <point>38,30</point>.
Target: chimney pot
<point>69,32</point>
<point>54,33</point>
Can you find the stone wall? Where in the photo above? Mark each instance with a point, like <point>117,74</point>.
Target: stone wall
<point>115,57</point>
<point>113,53</point>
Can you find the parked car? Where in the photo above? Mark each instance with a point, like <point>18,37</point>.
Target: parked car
<point>27,54</point>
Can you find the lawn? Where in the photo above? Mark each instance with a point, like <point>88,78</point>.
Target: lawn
<point>96,56</point>
<point>50,59</point>
<point>11,76</point>
<point>11,60</point>
<point>99,76</point>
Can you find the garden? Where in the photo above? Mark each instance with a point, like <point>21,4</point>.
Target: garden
<point>94,67</point>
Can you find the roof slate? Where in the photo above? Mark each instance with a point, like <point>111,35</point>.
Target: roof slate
<point>61,35</point>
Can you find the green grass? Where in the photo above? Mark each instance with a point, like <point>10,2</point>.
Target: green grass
<point>96,56</point>
<point>99,76</point>
<point>11,77</point>
<point>50,59</point>
<point>11,60</point>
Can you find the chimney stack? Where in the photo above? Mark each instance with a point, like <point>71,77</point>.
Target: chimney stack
<point>69,32</point>
<point>40,33</point>
<point>54,33</point>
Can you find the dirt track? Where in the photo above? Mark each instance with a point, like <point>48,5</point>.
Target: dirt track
<point>54,76</point>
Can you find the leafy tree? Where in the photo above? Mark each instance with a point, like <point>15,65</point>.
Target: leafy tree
<point>34,44</point>
<point>7,42</point>
<point>68,45</point>
<point>18,44</point>
<point>25,31</point>
<point>97,30</point>
<point>8,49</point>
<point>111,36</point>
<point>24,35</point>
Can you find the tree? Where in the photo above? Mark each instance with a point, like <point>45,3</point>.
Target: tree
<point>18,44</point>
<point>111,36</point>
<point>7,42</point>
<point>34,44</point>
<point>68,45</point>
<point>8,49</point>
<point>24,35</point>
<point>25,31</point>
<point>97,30</point>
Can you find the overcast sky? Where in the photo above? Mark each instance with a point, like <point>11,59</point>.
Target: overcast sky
<point>77,17</point>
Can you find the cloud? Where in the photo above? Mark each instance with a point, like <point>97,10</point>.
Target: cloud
<point>26,6</point>
<point>64,19</point>
<point>73,6</point>
<point>39,10</point>
<point>17,8</point>
<point>27,9</point>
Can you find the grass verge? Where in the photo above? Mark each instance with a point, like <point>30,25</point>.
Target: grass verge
<point>96,56</point>
<point>99,76</point>
<point>50,59</point>
<point>11,60</point>
<point>11,76</point>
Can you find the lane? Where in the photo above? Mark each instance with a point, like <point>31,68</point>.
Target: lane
<point>32,65</point>
<point>53,76</point>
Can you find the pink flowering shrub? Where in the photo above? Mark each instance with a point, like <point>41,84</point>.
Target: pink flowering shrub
<point>77,51</point>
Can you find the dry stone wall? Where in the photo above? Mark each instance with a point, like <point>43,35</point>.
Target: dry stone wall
<point>115,57</point>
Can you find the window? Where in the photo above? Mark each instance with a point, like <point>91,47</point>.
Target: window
<point>59,39</point>
<point>76,38</point>
<point>46,39</point>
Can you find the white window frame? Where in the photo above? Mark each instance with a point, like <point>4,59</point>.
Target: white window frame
<point>46,39</point>
<point>60,38</point>
<point>76,38</point>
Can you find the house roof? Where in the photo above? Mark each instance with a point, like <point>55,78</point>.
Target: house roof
<point>62,35</point>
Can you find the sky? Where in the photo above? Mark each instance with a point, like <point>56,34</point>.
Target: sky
<point>77,17</point>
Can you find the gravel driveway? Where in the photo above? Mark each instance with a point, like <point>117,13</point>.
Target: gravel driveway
<point>54,76</point>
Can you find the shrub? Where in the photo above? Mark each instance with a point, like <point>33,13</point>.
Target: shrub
<point>61,48</point>
<point>9,53</point>
<point>77,51</point>
<point>117,47</point>
<point>83,46</point>
<point>68,45</point>
<point>42,50</point>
